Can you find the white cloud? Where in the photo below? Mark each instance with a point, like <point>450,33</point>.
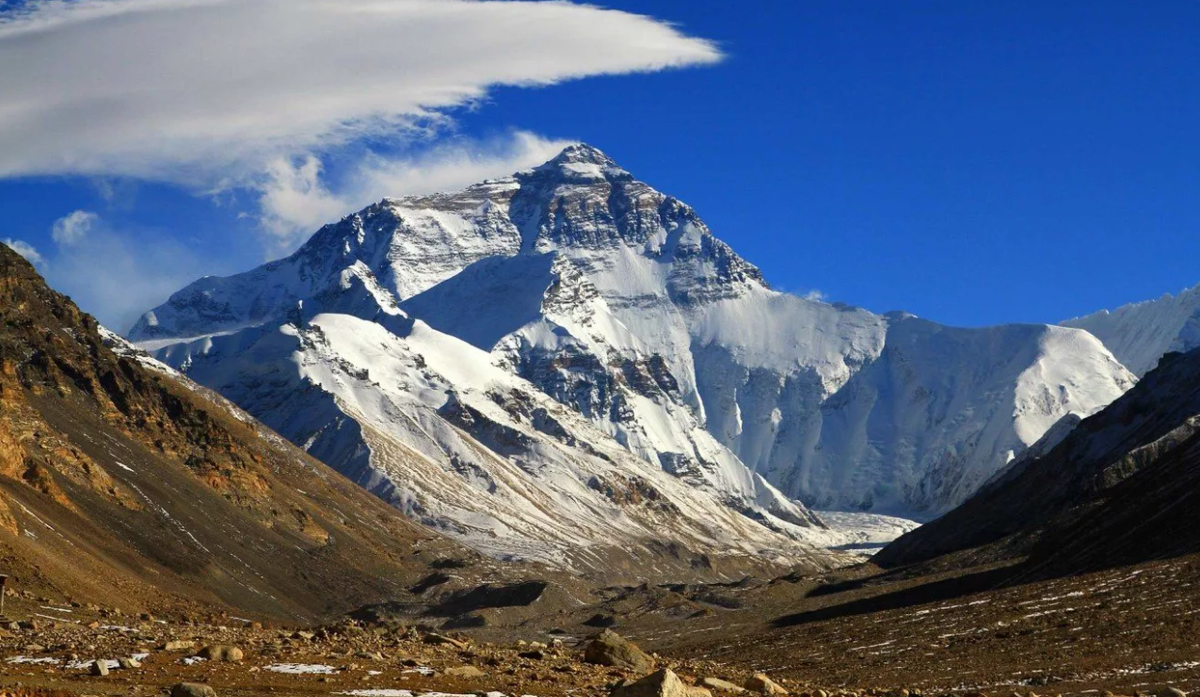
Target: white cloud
<point>815,295</point>
<point>295,201</point>
<point>71,229</point>
<point>26,250</point>
<point>213,93</point>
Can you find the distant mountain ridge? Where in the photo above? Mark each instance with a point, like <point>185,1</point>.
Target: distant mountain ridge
<point>1139,334</point>
<point>1120,488</point>
<point>651,338</point>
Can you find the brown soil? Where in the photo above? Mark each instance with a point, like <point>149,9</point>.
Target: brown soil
<point>1122,629</point>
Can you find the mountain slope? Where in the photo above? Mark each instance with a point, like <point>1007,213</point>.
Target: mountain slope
<point>122,482</point>
<point>618,302</point>
<point>1119,488</point>
<point>425,422</point>
<point>1140,333</point>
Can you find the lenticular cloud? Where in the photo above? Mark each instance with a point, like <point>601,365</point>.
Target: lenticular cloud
<point>205,92</point>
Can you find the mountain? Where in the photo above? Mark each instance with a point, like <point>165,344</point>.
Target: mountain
<point>564,341</point>
<point>125,484</point>
<point>1140,333</point>
<point>1121,487</point>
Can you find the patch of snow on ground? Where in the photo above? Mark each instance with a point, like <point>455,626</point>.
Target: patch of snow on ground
<point>301,668</point>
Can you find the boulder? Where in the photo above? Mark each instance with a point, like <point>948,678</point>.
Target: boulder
<point>220,652</point>
<point>664,683</point>
<point>611,649</point>
<point>443,639</point>
<point>192,689</point>
<point>759,682</point>
<point>465,672</point>
<point>99,667</point>
<point>178,645</point>
<point>129,663</point>
<point>721,685</point>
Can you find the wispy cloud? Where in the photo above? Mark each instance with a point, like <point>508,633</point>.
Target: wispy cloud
<point>295,198</point>
<point>116,275</point>
<point>71,229</point>
<point>26,250</point>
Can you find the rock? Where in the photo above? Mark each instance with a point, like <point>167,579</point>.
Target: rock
<point>759,682</point>
<point>663,683</point>
<point>1170,691</point>
<point>369,655</point>
<point>228,654</point>
<point>129,663</point>
<point>532,655</point>
<point>721,685</point>
<point>192,689</point>
<point>99,667</point>
<point>179,645</point>
<point>465,672</point>
<point>611,649</point>
<point>442,639</point>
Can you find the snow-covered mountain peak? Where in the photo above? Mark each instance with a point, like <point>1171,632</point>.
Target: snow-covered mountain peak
<point>616,302</point>
<point>578,163</point>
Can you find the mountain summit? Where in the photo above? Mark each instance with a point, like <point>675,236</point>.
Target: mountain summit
<point>567,355</point>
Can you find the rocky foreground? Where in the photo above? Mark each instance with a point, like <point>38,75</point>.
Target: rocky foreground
<point>89,650</point>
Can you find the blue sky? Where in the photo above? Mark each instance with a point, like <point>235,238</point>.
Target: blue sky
<point>971,162</point>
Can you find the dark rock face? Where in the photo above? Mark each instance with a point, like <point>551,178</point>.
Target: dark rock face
<point>491,596</point>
